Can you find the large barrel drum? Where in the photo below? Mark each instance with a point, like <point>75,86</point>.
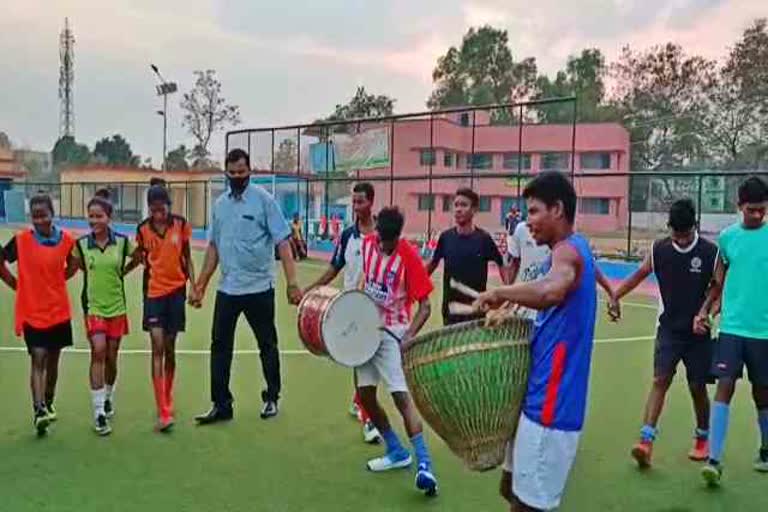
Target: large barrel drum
<point>468,382</point>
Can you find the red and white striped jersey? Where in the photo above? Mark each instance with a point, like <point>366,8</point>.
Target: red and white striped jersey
<point>394,281</point>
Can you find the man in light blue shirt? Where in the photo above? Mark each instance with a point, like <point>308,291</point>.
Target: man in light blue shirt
<point>246,226</point>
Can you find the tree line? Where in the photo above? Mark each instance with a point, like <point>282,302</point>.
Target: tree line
<point>682,110</point>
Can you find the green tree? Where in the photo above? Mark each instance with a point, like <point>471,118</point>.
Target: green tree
<point>115,151</point>
<point>362,105</point>
<point>5,142</point>
<point>67,152</point>
<point>584,78</point>
<point>206,111</point>
<point>286,157</point>
<point>177,159</point>
<point>482,70</point>
<point>736,117</point>
<point>660,94</point>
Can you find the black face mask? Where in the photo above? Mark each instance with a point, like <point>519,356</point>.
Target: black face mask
<point>238,185</point>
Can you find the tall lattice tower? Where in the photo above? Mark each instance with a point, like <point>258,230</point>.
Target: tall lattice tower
<point>66,81</point>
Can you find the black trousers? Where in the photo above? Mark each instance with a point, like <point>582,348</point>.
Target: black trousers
<point>259,311</point>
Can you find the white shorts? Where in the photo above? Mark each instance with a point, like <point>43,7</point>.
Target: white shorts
<point>386,365</point>
<point>540,462</point>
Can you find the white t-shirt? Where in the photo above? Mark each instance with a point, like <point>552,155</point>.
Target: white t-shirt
<point>533,257</point>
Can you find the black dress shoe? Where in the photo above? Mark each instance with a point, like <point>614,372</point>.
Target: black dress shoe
<point>214,415</point>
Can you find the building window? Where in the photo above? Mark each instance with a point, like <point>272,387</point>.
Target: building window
<point>554,161</point>
<point>464,119</point>
<point>480,161</point>
<point>447,203</point>
<point>426,202</point>
<point>448,159</point>
<point>427,157</point>
<point>485,204</point>
<point>594,206</point>
<point>596,161</point>
<point>513,160</point>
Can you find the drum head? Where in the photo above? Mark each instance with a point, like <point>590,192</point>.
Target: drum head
<point>351,329</point>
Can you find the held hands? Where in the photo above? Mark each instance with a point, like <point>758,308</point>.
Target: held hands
<point>196,295</point>
<point>614,309</point>
<point>701,324</point>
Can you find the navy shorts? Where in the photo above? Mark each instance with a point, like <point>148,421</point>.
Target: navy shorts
<point>733,353</point>
<point>55,337</point>
<point>694,351</point>
<point>167,312</point>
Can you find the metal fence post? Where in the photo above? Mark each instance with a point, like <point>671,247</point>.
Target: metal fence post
<point>519,157</point>
<point>698,208</point>
<point>471,162</point>
<point>573,140</point>
<point>432,157</point>
<point>392,162</point>
<point>629,217</point>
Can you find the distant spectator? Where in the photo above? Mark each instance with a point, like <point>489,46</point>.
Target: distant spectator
<point>298,244</point>
<point>512,220</point>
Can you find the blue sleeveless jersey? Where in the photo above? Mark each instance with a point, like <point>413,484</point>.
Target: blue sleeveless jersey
<point>561,351</point>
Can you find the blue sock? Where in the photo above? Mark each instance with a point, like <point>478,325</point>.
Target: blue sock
<point>392,442</point>
<point>648,433</point>
<point>762,419</point>
<point>420,449</point>
<point>700,433</point>
<point>718,430</point>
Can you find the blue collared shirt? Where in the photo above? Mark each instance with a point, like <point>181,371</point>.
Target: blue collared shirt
<point>245,231</point>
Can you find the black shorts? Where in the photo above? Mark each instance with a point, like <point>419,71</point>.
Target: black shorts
<point>733,352</point>
<point>55,337</point>
<point>168,312</point>
<point>694,351</point>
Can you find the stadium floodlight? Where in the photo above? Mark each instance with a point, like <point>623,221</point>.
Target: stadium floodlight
<point>163,89</point>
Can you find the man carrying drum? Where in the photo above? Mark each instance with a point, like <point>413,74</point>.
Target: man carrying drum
<point>394,277</point>
<point>537,466</point>
<point>466,251</point>
<point>347,256</point>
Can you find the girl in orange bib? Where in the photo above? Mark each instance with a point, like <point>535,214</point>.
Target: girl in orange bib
<point>44,263</point>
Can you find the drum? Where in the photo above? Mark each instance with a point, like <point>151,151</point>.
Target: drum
<point>341,325</point>
<point>468,382</point>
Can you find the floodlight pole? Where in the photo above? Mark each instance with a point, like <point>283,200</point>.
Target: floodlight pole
<point>164,89</point>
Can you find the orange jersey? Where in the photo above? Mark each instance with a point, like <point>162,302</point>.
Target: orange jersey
<point>165,262</point>
<point>41,292</point>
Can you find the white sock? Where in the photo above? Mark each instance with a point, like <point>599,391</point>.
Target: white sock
<point>110,389</point>
<point>98,396</point>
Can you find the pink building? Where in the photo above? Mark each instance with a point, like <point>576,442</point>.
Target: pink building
<point>600,147</point>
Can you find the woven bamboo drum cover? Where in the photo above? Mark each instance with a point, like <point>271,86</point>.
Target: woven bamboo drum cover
<point>468,382</point>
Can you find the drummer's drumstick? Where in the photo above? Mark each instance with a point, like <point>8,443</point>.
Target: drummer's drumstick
<point>457,308</point>
<point>466,290</point>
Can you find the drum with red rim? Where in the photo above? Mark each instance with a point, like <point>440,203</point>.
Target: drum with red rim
<point>342,325</point>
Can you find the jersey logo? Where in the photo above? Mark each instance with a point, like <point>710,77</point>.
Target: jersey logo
<point>696,264</point>
<point>175,239</point>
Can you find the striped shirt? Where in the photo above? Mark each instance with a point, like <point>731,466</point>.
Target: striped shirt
<point>394,281</point>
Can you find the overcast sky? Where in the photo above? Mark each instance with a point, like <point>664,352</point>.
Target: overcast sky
<point>286,61</point>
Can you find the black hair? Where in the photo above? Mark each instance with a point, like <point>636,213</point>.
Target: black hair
<point>682,215</point>
<point>238,154</point>
<point>43,199</point>
<point>158,193</point>
<point>156,181</point>
<point>470,194</point>
<point>753,190</point>
<point>389,223</point>
<point>103,193</point>
<point>365,188</point>
<point>550,187</point>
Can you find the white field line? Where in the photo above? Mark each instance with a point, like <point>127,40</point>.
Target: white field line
<point>129,351</point>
